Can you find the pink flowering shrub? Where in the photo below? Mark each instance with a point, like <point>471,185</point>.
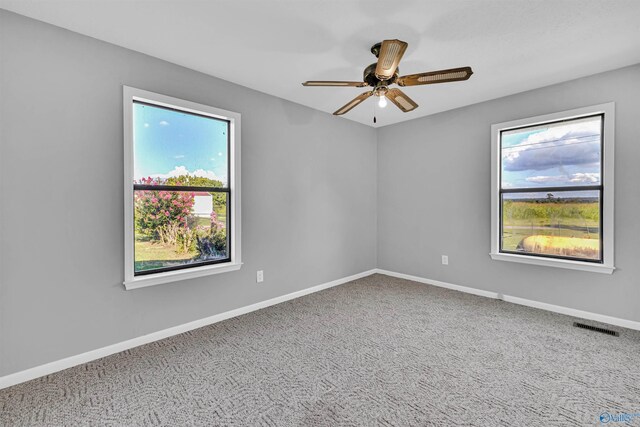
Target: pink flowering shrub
<point>165,215</point>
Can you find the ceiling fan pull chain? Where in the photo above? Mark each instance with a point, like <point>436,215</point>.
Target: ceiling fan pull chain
<point>374,113</point>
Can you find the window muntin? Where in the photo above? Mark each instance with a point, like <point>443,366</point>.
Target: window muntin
<point>551,190</point>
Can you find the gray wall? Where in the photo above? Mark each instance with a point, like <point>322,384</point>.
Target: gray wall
<point>314,189</point>
<point>308,196</point>
<point>434,198</point>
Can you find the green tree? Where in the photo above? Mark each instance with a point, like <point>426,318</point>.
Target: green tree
<point>219,199</point>
<point>193,181</point>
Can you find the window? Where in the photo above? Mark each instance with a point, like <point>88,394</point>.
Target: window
<point>182,189</point>
<point>552,201</point>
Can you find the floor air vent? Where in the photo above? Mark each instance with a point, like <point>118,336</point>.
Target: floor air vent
<point>595,328</point>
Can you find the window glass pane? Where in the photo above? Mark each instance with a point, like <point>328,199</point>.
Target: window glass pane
<point>178,228</point>
<point>178,148</point>
<point>553,155</point>
<point>563,223</point>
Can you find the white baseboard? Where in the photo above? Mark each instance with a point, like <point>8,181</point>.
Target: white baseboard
<point>630,324</point>
<point>68,362</point>
<point>439,284</point>
<point>59,365</point>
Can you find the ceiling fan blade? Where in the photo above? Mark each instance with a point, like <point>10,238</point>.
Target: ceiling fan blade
<point>333,83</point>
<point>401,100</point>
<point>442,76</point>
<point>355,101</point>
<point>389,57</point>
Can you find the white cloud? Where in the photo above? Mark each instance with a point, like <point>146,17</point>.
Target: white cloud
<point>181,170</point>
<point>220,154</point>
<point>575,143</point>
<point>576,178</point>
<point>164,123</point>
<point>146,125</point>
<point>545,178</point>
<point>585,178</point>
<point>205,174</point>
<point>179,156</point>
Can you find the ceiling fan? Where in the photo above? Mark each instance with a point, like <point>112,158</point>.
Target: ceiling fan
<point>385,73</point>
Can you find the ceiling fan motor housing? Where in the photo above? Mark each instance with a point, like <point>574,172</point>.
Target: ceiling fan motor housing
<point>372,80</point>
<point>375,49</point>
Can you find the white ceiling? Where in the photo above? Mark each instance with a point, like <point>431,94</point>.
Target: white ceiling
<point>274,45</point>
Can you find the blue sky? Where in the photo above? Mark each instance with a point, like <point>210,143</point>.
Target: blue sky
<point>561,154</point>
<point>171,143</point>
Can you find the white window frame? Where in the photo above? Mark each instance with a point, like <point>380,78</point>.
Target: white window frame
<point>131,281</point>
<point>607,178</point>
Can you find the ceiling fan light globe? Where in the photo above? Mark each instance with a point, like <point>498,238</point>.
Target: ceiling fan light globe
<point>382,102</point>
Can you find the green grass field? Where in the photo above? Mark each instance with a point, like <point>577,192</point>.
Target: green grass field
<point>512,237</point>
<point>151,254</point>
<point>522,219</point>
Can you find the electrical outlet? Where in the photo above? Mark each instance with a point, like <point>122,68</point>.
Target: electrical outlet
<point>260,276</point>
<point>445,260</point>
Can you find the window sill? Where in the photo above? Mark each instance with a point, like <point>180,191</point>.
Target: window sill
<point>174,276</point>
<point>560,263</point>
